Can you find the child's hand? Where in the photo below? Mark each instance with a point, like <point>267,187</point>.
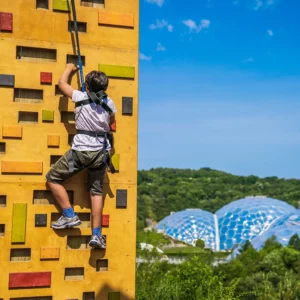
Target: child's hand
<point>72,67</point>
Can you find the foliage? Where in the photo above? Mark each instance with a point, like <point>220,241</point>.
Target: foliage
<point>200,244</point>
<point>183,250</point>
<point>161,190</point>
<point>273,273</point>
<point>193,279</point>
<point>295,242</point>
<point>151,237</point>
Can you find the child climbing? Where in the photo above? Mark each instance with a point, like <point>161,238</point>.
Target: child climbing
<point>94,112</point>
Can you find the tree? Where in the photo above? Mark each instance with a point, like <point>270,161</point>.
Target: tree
<point>200,244</point>
<point>271,244</point>
<point>295,241</point>
<point>162,190</point>
<point>246,246</point>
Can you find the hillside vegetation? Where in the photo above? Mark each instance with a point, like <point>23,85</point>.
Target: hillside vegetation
<point>270,274</point>
<point>162,190</point>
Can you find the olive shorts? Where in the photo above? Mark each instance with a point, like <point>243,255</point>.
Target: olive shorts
<point>96,169</point>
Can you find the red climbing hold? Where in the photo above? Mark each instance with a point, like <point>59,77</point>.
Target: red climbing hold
<point>6,23</point>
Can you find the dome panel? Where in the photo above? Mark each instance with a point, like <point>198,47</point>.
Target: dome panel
<point>250,217</point>
<point>289,219</point>
<point>283,234</point>
<point>190,225</point>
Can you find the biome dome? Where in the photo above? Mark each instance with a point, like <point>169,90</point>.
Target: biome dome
<point>245,219</point>
<point>233,224</point>
<point>288,220</point>
<point>190,225</point>
<point>282,234</point>
<point>283,229</point>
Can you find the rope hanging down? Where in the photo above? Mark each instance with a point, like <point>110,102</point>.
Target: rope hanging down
<point>78,46</point>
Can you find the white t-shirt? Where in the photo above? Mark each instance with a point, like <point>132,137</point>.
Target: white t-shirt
<point>91,117</point>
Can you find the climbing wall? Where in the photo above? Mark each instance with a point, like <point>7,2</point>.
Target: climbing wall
<point>37,127</point>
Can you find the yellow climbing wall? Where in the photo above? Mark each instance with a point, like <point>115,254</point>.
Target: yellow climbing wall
<point>37,127</point>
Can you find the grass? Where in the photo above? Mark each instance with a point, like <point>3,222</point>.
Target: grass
<point>158,240</point>
<point>184,251</point>
<point>151,237</point>
<point>189,250</point>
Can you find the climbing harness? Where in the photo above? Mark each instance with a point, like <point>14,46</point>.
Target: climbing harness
<point>106,158</point>
<point>96,98</point>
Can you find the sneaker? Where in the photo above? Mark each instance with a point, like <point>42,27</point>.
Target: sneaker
<point>64,222</point>
<point>98,242</point>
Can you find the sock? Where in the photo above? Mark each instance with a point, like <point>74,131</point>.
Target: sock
<point>97,231</point>
<point>68,212</point>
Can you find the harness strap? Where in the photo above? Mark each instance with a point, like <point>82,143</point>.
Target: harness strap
<point>106,158</point>
<point>93,133</point>
<point>98,99</point>
<point>83,102</point>
<point>71,161</point>
<point>110,165</point>
<point>95,98</point>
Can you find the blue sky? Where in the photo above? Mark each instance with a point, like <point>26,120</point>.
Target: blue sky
<point>219,86</point>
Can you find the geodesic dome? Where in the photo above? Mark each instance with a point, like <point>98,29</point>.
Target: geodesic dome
<point>232,225</point>
<point>288,220</point>
<point>245,219</point>
<point>283,228</point>
<point>282,233</point>
<point>190,225</point>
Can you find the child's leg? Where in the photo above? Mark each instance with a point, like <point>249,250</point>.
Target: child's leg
<point>62,199</point>
<point>60,195</point>
<point>97,208</point>
<point>55,178</point>
<point>95,186</point>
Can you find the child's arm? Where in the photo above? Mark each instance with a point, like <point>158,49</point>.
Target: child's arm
<point>63,81</point>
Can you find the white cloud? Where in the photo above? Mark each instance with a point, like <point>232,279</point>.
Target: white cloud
<point>270,32</point>
<point>191,24</point>
<point>264,4</point>
<point>157,2</point>
<point>145,57</point>
<point>209,3</point>
<point>257,4</point>
<point>248,60</point>
<point>160,47</point>
<point>170,28</point>
<point>205,23</point>
<point>161,24</point>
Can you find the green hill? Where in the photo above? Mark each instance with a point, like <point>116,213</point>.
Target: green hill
<point>161,190</point>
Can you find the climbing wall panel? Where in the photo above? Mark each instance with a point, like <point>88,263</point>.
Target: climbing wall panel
<point>7,80</point>
<point>26,280</point>
<point>18,232</point>
<point>12,132</point>
<point>116,19</point>
<point>53,141</point>
<point>62,5</point>
<point>19,167</point>
<point>117,71</point>
<point>46,77</point>
<point>37,127</point>
<point>6,21</point>
<point>50,253</point>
